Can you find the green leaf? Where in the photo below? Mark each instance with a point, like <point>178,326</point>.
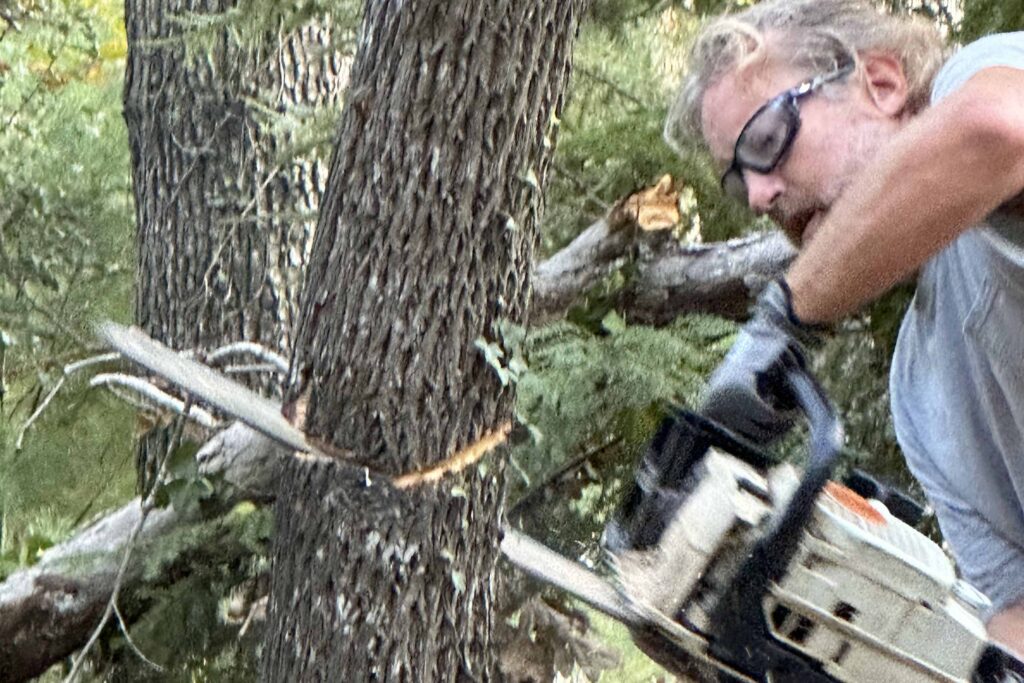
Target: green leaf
<point>204,488</point>
<point>613,323</point>
<point>160,498</point>
<point>183,494</point>
<point>33,546</point>
<point>182,464</point>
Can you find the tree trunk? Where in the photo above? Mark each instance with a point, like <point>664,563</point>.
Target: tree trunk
<point>424,244</point>
<point>224,223</point>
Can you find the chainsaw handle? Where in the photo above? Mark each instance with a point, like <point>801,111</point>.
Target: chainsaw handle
<point>826,431</point>
<point>825,443</point>
<point>738,618</point>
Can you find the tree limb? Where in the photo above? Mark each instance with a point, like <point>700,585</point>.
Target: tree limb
<point>668,277</point>
<point>48,610</point>
<point>722,278</point>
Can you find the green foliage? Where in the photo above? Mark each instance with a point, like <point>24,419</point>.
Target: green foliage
<point>47,528</point>
<point>65,260</point>
<point>66,214</point>
<point>183,487</point>
<point>76,465</point>
<point>982,17</point>
<point>602,394</point>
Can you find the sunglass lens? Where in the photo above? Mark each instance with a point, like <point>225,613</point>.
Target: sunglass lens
<point>766,136</point>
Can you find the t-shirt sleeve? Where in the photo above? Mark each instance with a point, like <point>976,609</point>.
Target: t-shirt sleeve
<point>1001,49</point>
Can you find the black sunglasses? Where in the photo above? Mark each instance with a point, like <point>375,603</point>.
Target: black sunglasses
<point>769,133</point>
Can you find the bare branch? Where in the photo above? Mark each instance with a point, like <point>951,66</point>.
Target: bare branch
<point>156,397</point>
<point>251,348</point>
<point>69,370</point>
<point>261,368</point>
<point>131,643</point>
<point>38,411</point>
<point>668,277</point>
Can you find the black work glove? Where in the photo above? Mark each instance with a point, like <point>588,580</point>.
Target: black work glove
<point>748,393</point>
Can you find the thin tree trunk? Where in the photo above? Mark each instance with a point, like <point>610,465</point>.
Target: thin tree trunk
<point>425,242</point>
<point>224,221</point>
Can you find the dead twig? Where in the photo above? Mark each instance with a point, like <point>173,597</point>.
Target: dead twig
<point>156,397</point>
<point>69,370</point>
<point>259,351</point>
<point>131,643</point>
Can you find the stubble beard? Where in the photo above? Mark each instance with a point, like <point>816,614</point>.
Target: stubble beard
<point>803,212</point>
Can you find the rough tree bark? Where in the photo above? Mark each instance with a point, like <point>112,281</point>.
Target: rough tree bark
<point>224,224</point>
<point>425,241</point>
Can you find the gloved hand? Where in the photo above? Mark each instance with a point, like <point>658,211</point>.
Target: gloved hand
<point>748,392</point>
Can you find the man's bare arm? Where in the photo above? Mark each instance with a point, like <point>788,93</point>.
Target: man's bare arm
<point>1007,628</point>
<point>944,172</point>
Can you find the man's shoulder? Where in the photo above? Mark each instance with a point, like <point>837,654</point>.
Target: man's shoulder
<point>998,49</point>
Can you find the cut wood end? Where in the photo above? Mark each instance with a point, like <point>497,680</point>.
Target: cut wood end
<point>653,208</point>
<point>458,461</point>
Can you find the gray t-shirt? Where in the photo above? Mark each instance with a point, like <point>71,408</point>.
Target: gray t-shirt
<point>957,379</point>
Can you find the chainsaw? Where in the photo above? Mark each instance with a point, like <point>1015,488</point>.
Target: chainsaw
<point>727,565</point>
<point>730,566</point>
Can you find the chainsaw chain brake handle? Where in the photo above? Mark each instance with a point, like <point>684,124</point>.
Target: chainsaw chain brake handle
<point>825,442</point>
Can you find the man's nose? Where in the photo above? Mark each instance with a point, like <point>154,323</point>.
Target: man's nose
<point>763,190</point>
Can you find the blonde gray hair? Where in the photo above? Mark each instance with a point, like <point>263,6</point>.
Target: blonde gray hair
<point>816,35</point>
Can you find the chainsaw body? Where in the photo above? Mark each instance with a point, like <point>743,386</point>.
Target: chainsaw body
<point>782,575</point>
<point>865,597</point>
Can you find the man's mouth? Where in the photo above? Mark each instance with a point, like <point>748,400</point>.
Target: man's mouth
<point>801,227</point>
<point>812,226</point>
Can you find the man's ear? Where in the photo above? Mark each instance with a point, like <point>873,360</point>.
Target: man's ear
<point>885,82</point>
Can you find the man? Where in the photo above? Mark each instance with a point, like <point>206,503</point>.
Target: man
<point>819,114</point>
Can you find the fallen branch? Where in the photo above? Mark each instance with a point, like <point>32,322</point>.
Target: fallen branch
<point>48,610</point>
<point>667,277</point>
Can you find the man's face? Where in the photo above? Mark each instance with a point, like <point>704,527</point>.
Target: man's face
<point>836,136</point>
